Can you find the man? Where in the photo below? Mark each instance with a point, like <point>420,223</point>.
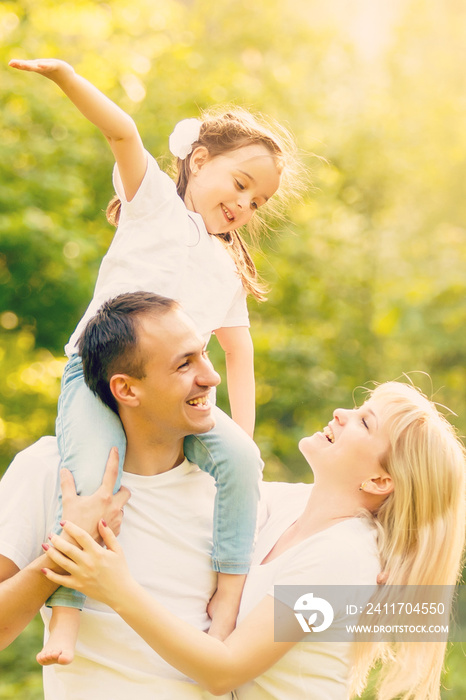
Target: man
<point>167,532</point>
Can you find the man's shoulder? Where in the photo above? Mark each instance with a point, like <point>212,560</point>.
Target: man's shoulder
<point>28,501</point>
<point>44,449</point>
<point>277,491</point>
<point>40,458</point>
<point>280,496</point>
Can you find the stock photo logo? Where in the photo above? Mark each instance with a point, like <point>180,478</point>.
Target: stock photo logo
<point>341,613</point>
<point>312,606</point>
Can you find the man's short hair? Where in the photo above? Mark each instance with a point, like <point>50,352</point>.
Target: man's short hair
<point>109,343</point>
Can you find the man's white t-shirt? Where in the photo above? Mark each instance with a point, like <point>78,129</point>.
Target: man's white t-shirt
<point>345,553</point>
<point>161,247</point>
<point>167,539</point>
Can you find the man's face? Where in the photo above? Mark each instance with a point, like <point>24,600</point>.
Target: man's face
<point>174,394</point>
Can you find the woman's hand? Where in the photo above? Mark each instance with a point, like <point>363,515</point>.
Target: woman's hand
<point>49,67</point>
<point>97,572</point>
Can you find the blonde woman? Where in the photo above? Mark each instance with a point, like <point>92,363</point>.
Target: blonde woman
<point>388,494</point>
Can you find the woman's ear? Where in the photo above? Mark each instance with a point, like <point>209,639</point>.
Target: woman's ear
<point>380,485</point>
<point>198,158</point>
<point>124,389</point>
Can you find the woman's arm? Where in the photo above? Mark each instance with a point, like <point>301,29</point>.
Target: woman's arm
<point>237,345</point>
<point>117,126</point>
<point>219,666</point>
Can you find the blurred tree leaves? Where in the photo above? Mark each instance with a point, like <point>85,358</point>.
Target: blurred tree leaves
<point>367,274</point>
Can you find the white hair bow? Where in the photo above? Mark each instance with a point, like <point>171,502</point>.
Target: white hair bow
<point>181,140</point>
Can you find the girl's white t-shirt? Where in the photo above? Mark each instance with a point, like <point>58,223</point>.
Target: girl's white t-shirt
<point>162,247</point>
<point>345,553</point>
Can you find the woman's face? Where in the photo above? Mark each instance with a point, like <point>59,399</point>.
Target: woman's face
<point>351,447</point>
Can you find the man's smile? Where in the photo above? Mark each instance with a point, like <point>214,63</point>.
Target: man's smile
<point>201,402</point>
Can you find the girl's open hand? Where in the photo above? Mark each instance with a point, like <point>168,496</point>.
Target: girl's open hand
<point>97,572</point>
<point>44,66</point>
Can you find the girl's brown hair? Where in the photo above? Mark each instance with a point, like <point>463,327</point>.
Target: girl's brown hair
<point>227,130</point>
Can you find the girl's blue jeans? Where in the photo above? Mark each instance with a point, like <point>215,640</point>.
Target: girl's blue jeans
<point>87,430</point>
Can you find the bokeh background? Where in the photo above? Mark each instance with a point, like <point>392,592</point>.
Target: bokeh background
<point>367,272</point>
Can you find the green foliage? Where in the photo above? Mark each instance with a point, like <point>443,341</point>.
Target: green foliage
<point>20,675</point>
<point>367,275</point>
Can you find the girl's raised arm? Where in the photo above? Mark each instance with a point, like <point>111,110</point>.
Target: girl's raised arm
<point>118,127</point>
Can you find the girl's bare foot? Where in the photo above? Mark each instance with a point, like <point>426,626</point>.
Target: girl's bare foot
<point>59,648</point>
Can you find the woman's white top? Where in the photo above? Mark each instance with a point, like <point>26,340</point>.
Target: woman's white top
<point>162,247</point>
<point>345,553</point>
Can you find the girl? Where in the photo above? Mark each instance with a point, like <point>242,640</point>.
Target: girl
<point>389,492</point>
<point>181,242</point>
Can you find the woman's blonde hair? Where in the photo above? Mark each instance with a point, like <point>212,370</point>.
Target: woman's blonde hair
<point>421,532</point>
<point>227,129</point>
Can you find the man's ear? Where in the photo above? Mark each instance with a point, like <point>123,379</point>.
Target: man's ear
<point>124,389</point>
<point>198,158</point>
